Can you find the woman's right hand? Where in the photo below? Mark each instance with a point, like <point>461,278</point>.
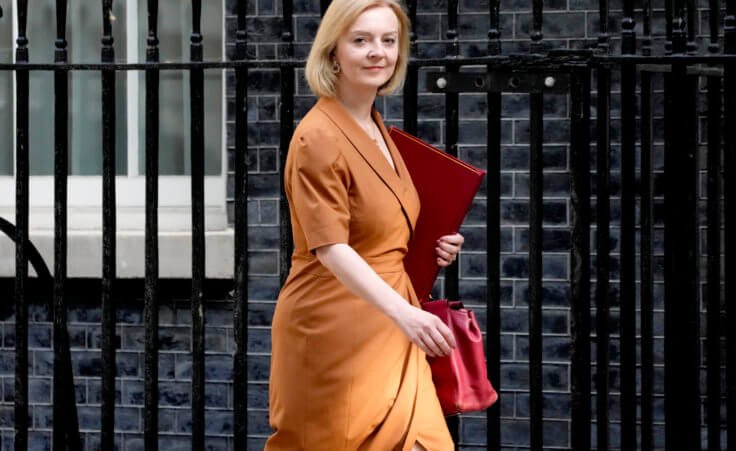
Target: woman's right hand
<point>426,331</point>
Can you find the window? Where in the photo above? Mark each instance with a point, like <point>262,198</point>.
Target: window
<point>84,34</point>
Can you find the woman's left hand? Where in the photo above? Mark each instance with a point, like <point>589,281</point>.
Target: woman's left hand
<point>447,248</point>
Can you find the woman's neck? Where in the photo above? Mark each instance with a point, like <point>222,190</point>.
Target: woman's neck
<point>358,102</point>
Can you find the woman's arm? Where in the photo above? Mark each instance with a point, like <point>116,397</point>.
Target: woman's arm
<point>422,328</point>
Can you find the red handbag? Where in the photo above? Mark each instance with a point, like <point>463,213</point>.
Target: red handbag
<point>461,378</point>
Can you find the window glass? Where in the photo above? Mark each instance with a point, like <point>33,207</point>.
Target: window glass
<point>85,118</point>
<point>84,34</point>
<point>6,92</point>
<point>174,28</point>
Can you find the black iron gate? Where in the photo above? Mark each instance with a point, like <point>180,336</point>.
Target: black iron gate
<point>536,72</point>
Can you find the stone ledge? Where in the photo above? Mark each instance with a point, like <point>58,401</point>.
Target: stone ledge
<point>84,253</point>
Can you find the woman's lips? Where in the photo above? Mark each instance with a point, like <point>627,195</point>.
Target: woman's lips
<point>374,68</point>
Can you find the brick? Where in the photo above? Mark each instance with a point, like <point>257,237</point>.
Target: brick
<point>94,391</point>
<point>554,349</point>
<point>128,419</point>
<point>263,288</point>
<point>258,423</point>
<point>265,7</point>
<point>264,29</point>
<point>174,394</point>
<point>41,312</point>
<point>215,339</point>
<point>555,184</point>
<point>514,376</point>
<point>218,314</point>
<point>217,367</point>
<point>555,377</point>
<point>516,432</point>
<point>8,389</point>
<point>89,418</point>
<point>39,336</point>
<point>43,417</point>
<point>553,240</point>
<point>128,315</point>
<point>555,433</point>
<point>517,212</point>
<point>166,365</point>
<point>263,262</point>
<point>217,395</point>
<point>474,431</point>
<point>554,405</point>
<point>218,422</point>
<point>7,416</point>
<point>427,26</point>
<point>39,390</point>
<point>166,420</point>
<point>306,6</point>
<point>431,106</point>
<point>39,440</point>
<point>7,363</point>
<point>473,291</point>
<point>257,396</point>
<point>260,313</point>
<point>87,363</point>
<point>259,367</point>
<point>553,130</point>
<point>556,25</point>
<point>263,238</point>
<point>259,340</point>
<point>173,442</point>
<point>306,28</point>
<point>514,320</point>
<point>472,265</point>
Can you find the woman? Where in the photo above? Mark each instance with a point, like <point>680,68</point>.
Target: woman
<point>349,339</point>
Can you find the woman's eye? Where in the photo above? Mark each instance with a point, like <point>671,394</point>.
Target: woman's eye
<point>390,40</point>
<point>359,40</point>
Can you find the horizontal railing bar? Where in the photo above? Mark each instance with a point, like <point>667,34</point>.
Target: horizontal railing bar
<point>498,61</point>
<point>671,59</point>
<point>707,71</point>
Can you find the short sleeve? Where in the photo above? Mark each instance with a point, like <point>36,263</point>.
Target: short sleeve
<point>319,181</point>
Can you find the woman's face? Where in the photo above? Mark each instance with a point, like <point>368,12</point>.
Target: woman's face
<point>368,50</point>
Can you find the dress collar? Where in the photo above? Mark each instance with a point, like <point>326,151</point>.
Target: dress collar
<point>399,181</point>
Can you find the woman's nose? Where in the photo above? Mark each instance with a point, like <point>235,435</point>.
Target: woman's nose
<point>376,51</point>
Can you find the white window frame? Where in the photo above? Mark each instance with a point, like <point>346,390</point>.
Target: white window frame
<point>85,200</point>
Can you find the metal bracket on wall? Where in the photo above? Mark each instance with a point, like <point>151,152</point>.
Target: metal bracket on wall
<point>498,81</point>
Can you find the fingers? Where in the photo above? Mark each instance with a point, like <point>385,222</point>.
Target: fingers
<point>445,258</point>
<point>444,254</point>
<point>447,334</point>
<point>441,342</point>
<point>438,340</point>
<point>450,248</point>
<point>447,248</point>
<point>455,239</point>
<point>429,344</point>
<point>428,332</point>
<point>442,262</point>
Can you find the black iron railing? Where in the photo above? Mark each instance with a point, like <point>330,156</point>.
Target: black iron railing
<point>538,72</point>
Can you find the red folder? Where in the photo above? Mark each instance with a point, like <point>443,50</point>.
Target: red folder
<point>446,187</point>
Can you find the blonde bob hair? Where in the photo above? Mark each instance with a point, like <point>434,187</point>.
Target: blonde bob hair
<point>338,17</point>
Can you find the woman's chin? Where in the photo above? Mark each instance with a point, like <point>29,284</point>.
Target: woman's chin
<point>372,85</point>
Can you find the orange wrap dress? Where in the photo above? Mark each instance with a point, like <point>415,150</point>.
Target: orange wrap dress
<point>343,375</point>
